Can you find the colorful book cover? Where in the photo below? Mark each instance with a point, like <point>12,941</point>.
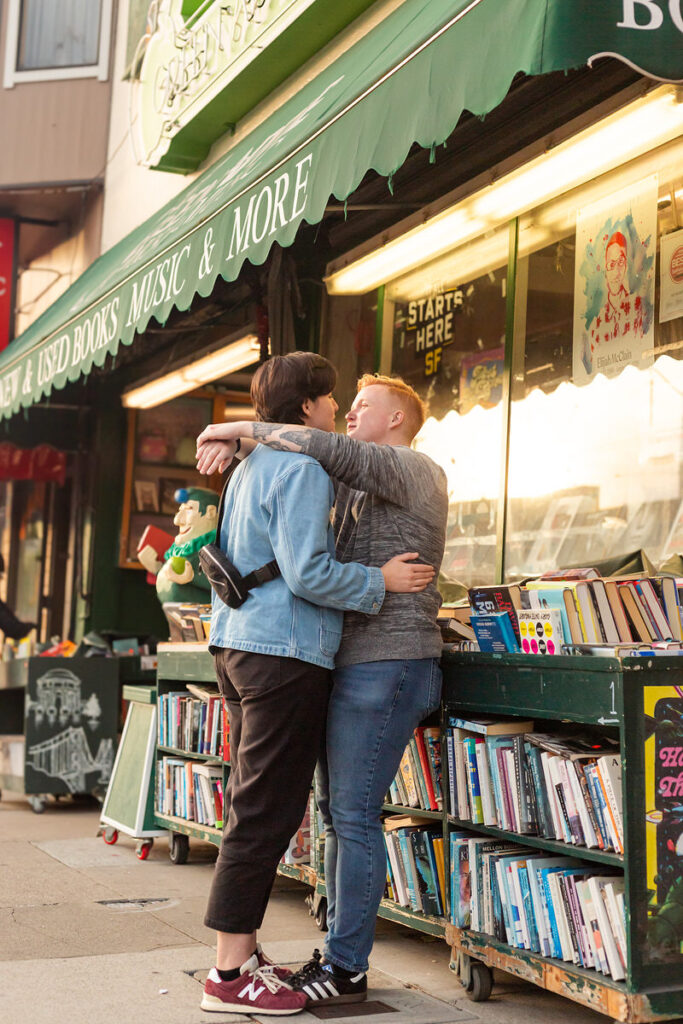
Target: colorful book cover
<point>541,631</point>
<point>494,632</point>
<point>496,598</point>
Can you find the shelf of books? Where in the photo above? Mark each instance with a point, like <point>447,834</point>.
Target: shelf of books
<point>192,758</point>
<point>562,781</point>
<point>192,754</point>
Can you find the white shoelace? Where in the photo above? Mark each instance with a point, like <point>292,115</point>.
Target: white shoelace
<point>269,979</point>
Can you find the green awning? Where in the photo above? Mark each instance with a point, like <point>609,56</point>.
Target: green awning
<point>407,81</point>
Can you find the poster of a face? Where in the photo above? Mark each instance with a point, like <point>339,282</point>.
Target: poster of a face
<point>671,276</point>
<point>614,282</point>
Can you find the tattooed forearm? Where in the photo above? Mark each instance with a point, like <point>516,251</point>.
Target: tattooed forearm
<point>288,438</point>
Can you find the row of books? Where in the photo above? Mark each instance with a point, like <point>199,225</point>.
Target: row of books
<point>415,865</point>
<point>418,779</point>
<point>577,608</point>
<point>191,790</point>
<point>554,906</point>
<point>193,720</point>
<point>565,788</point>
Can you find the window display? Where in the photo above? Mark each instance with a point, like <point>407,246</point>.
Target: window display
<point>448,341</point>
<point>596,377</point>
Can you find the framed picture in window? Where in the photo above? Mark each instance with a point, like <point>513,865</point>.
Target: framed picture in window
<point>146,496</point>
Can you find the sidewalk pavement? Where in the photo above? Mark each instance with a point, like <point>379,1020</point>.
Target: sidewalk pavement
<point>90,933</point>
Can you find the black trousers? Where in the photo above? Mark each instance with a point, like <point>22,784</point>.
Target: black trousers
<point>277,709</point>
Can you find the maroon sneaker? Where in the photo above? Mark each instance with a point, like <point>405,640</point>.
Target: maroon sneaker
<point>283,973</point>
<point>257,990</point>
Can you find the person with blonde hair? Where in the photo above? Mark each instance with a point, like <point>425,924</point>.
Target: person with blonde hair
<point>387,677</point>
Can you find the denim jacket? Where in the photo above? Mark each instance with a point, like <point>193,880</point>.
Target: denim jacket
<point>278,506</point>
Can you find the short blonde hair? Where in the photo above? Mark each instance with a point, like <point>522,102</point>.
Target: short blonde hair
<point>412,404</point>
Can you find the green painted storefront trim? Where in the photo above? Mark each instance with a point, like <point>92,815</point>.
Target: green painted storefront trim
<point>406,82</point>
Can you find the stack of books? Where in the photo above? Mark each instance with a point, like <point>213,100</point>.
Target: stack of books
<point>554,906</point>
<point>190,790</point>
<point>576,611</point>
<point>415,864</point>
<point>194,721</point>
<point>565,788</point>
<point>187,623</point>
<point>418,780</point>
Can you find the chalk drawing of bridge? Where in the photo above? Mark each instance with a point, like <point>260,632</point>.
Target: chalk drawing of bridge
<point>68,757</point>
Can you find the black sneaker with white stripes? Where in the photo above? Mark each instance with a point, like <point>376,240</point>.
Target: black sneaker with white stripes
<point>325,983</point>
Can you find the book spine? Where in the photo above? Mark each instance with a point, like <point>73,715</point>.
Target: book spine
<point>613,805</point>
<point>410,870</point>
<point>432,742</point>
<point>572,810</point>
<point>422,796</point>
<point>453,807</point>
<point>454,880</point>
<point>522,786</point>
<point>505,902</point>
<point>572,922</point>
<point>465,899</point>
<point>528,907</point>
<point>431,804</point>
<point>588,801</point>
<point>408,778</point>
<point>590,773</point>
<point>469,750</point>
<point>488,809</point>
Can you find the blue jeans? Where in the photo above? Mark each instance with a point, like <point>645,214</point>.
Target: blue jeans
<point>373,710</point>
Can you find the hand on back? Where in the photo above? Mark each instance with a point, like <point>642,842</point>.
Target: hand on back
<point>402,575</point>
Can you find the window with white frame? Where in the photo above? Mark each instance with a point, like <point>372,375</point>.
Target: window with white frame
<point>49,40</point>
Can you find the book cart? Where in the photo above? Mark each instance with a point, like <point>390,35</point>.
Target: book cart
<point>637,700</point>
<point>641,699</point>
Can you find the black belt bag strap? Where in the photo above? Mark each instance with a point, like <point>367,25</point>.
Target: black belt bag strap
<point>227,583</point>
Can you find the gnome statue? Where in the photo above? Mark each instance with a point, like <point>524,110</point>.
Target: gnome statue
<point>178,577</point>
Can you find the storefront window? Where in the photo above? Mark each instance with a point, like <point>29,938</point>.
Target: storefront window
<point>446,337</point>
<point>596,416</point>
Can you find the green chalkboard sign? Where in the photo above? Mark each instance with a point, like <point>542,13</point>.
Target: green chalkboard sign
<point>129,803</point>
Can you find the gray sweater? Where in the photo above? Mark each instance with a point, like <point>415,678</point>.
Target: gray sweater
<point>389,499</point>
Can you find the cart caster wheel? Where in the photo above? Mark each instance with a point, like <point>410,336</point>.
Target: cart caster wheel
<point>143,848</point>
<point>178,848</point>
<point>36,804</point>
<point>110,835</point>
<point>480,982</point>
<point>321,915</point>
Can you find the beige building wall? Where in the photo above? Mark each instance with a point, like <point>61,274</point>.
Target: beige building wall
<point>57,130</point>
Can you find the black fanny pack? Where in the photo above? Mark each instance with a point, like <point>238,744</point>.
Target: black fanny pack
<point>227,583</point>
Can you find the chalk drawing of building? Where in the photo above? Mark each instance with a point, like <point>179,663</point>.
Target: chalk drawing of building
<point>58,698</point>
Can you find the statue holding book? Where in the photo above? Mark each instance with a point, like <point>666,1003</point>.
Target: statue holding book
<point>175,561</point>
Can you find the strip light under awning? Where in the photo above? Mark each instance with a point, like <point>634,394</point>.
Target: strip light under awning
<point>233,357</point>
<point>641,126</point>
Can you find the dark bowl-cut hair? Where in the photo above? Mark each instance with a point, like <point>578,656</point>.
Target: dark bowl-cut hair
<point>282,384</point>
